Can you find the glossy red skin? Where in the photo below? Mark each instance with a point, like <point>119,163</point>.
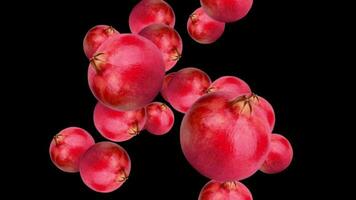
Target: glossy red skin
<point>95,37</point>
<point>160,118</point>
<point>266,109</point>
<point>116,125</point>
<point>67,147</point>
<point>221,140</point>
<point>167,40</point>
<point>227,10</point>
<point>105,167</point>
<point>186,86</point>
<point>167,79</point>
<point>232,85</point>
<point>214,190</point>
<point>148,12</point>
<point>130,75</point>
<point>279,157</point>
<point>204,29</point>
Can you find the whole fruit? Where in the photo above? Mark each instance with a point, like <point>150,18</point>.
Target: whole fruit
<point>222,139</point>
<point>148,12</point>
<point>204,29</point>
<point>160,118</point>
<point>67,146</point>
<point>95,37</point>
<point>279,157</point>
<point>186,86</point>
<point>127,72</point>
<point>105,167</point>
<point>116,125</point>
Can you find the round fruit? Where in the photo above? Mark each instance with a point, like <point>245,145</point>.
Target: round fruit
<point>232,85</point>
<point>186,86</point>
<point>67,146</point>
<point>105,167</point>
<point>233,190</point>
<point>204,29</point>
<point>120,70</point>
<point>167,40</point>
<point>160,118</point>
<point>279,157</point>
<point>95,37</point>
<point>222,139</point>
<point>148,12</point>
<point>116,125</point>
<point>226,10</point>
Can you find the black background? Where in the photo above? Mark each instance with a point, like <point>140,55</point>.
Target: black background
<point>267,49</point>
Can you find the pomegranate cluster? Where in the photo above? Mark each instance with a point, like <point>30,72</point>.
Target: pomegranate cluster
<point>227,130</point>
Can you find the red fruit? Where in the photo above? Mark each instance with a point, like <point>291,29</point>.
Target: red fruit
<point>160,118</point>
<point>279,157</point>
<point>148,12</point>
<point>105,167</point>
<point>95,37</point>
<point>167,79</point>
<point>186,86</point>
<point>116,125</point>
<point>67,147</point>
<point>226,10</point>
<point>167,40</point>
<point>264,108</point>
<point>120,70</point>
<point>231,85</point>
<point>223,139</point>
<point>204,29</point>
<point>214,190</point>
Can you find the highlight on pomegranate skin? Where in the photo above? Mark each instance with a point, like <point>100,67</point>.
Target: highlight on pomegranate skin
<point>105,167</point>
<point>95,37</point>
<point>167,79</point>
<point>227,10</point>
<point>167,40</point>
<point>222,139</point>
<point>185,87</point>
<point>67,146</point>
<point>148,12</point>
<point>279,157</point>
<point>160,118</point>
<point>232,85</point>
<point>232,190</point>
<point>120,70</point>
<point>204,29</point>
<point>116,125</point>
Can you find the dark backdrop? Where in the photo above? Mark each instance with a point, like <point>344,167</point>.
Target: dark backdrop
<point>266,49</point>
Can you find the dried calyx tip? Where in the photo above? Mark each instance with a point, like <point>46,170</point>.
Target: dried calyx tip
<point>193,17</point>
<point>58,139</point>
<point>110,30</point>
<point>134,130</point>
<point>230,185</point>
<point>122,176</point>
<point>96,61</point>
<point>176,55</point>
<point>163,106</point>
<point>245,102</point>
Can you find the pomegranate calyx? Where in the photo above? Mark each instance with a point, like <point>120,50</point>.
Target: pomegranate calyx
<point>134,130</point>
<point>176,55</point>
<point>58,139</point>
<point>122,177</point>
<point>96,61</point>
